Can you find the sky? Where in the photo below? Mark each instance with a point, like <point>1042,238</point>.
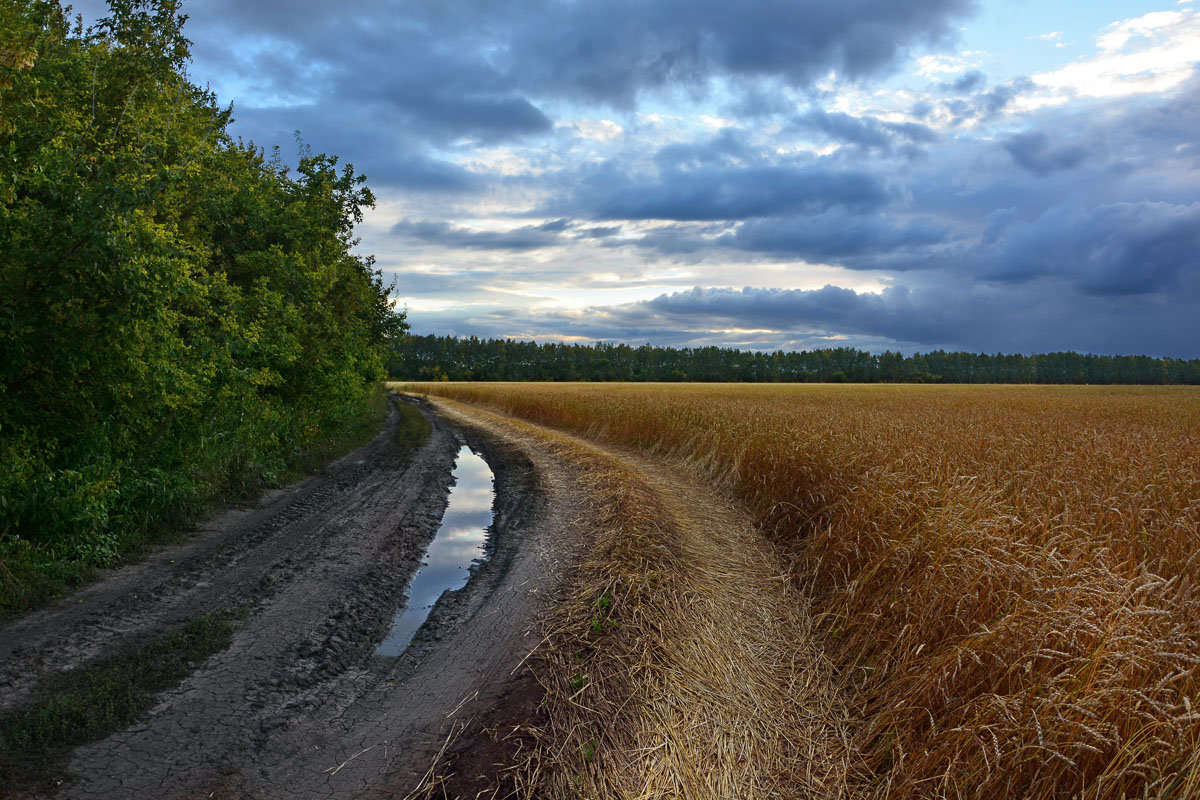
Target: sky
<point>992,176</point>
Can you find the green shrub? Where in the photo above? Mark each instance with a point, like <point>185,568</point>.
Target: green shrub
<point>181,316</point>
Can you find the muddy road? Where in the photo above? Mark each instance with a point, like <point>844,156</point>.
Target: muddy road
<point>301,705</point>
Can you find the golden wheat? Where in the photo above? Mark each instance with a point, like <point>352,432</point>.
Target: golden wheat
<point>1007,575</point>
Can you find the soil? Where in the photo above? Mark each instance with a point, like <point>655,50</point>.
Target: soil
<point>300,706</point>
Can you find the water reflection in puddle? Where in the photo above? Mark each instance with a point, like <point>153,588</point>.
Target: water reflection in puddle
<point>459,541</point>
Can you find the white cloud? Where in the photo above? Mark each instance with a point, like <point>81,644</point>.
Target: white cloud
<point>507,160</point>
<point>1152,53</point>
<point>933,65</point>
<point>1118,34</point>
<point>1055,37</point>
<point>425,304</point>
<point>713,123</point>
<point>599,130</point>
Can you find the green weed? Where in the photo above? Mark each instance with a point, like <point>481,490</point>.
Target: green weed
<point>89,703</point>
<point>602,620</point>
<point>413,429</point>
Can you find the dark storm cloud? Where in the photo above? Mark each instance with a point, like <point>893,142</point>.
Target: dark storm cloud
<point>483,69</point>
<point>966,83</point>
<point>1129,150</point>
<point>1035,152</point>
<point>984,106</point>
<point>390,83</point>
<point>1035,241</point>
<point>728,147</point>
<point>609,52</point>
<point>405,83</point>
<point>555,226</point>
<point>487,118</point>
<point>599,232</point>
<point>753,100</point>
<point>389,159</point>
<point>1041,317</point>
<point>831,307</point>
<point>855,241</point>
<point>945,219</point>
<point>414,171</point>
<point>1038,318</point>
<point>528,237</point>
<point>1152,132</point>
<point>1112,249</point>
<point>437,91</point>
<point>835,236</point>
<point>865,132</point>
<point>676,240</point>
<point>727,193</point>
<point>1117,278</point>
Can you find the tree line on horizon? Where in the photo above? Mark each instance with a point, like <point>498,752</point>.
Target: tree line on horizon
<point>432,357</point>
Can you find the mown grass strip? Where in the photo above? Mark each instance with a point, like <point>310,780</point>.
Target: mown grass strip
<point>89,703</point>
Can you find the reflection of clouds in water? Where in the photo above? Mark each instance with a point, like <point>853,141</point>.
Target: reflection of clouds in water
<point>467,527</point>
<point>457,525</point>
<point>459,541</point>
<point>462,551</point>
<point>472,490</point>
<point>475,502</point>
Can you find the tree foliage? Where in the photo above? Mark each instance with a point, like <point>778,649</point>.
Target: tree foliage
<point>180,314</point>
<point>472,359</point>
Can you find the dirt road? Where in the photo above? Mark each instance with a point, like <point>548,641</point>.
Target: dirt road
<point>299,705</point>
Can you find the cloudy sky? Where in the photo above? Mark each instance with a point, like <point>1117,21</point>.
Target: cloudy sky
<point>1002,175</point>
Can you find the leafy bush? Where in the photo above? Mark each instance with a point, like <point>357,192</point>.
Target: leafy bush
<point>181,316</point>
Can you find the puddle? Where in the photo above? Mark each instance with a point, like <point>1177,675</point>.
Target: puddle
<point>459,541</point>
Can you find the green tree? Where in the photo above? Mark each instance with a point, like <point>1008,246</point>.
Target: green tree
<point>180,316</point>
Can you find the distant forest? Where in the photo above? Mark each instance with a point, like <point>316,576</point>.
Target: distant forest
<point>472,359</point>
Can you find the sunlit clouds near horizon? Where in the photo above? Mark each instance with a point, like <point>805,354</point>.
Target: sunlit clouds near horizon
<point>987,176</point>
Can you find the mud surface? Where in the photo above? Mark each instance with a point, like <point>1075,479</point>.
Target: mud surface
<point>300,706</point>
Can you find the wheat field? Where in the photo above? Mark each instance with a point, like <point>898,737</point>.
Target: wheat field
<point>1005,577</point>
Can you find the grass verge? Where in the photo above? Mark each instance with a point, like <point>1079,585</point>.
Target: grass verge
<point>32,576</point>
<point>413,429</point>
<point>89,703</point>
<point>327,448</point>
